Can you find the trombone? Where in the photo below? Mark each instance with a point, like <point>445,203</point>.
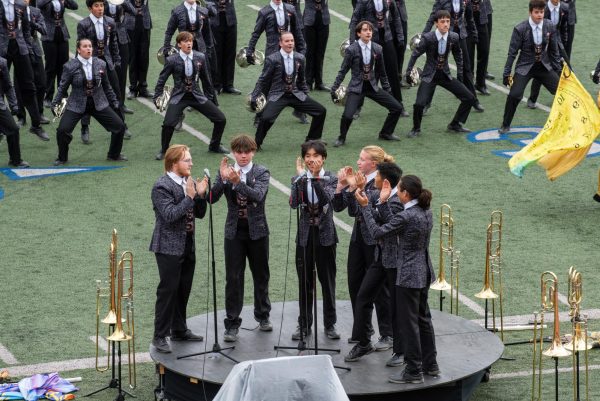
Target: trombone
<point>493,269</point>
<point>447,254</point>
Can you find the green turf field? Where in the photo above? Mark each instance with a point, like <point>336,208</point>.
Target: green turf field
<point>56,230</point>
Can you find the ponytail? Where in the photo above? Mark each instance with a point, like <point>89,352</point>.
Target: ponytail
<point>413,185</point>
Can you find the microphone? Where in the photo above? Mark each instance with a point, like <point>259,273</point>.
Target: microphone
<point>207,173</point>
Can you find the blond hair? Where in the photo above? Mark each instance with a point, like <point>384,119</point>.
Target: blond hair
<point>173,155</point>
<point>377,154</point>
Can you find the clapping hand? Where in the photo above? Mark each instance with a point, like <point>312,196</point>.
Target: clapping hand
<point>190,187</point>
<point>299,166</point>
<point>361,198</point>
<point>202,186</point>
<point>360,180</point>
<point>234,176</point>
<point>386,190</point>
<point>224,168</point>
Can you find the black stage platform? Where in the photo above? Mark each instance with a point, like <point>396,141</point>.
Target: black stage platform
<point>465,351</point>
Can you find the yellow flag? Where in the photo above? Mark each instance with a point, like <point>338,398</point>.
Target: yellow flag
<point>572,126</point>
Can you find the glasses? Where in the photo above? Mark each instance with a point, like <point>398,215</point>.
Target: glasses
<point>187,160</point>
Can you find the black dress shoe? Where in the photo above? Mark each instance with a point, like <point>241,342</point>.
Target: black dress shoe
<point>489,76</point>
<point>186,336</point>
<point>120,158</point>
<point>504,129</point>
<point>339,142</point>
<point>21,122</point>
<point>231,90</point>
<point>404,113</point>
<point>596,197</point>
<point>483,90</point>
<point>531,104</point>
<point>59,162</point>
<point>146,93</point>
<point>458,128</point>
<point>21,164</point>
<point>44,120</point>
<point>161,345</point>
<point>127,110</point>
<point>85,134</point>
<point>389,137</point>
<point>300,116</point>
<point>131,95</point>
<point>218,149</point>
<point>159,156</point>
<point>322,88</point>
<point>39,131</point>
<point>413,133</point>
<point>478,107</point>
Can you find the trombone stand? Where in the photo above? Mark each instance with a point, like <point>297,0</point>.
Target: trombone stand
<point>216,349</point>
<point>115,382</point>
<point>504,358</point>
<point>442,297</point>
<point>556,377</point>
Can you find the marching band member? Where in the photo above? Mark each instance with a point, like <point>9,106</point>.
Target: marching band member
<point>224,28</point>
<point>316,30</point>
<point>312,190</point>
<point>283,81</point>
<point>191,17</point>
<point>7,122</point>
<point>245,186</point>
<point>139,27</point>
<point>91,94</point>
<point>188,67</point>
<point>481,45</point>
<point>365,60</point>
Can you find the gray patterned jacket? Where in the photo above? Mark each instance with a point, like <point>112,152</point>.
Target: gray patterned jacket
<point>266,21</point>
<point>324,191</point>
<point>6,87</point>
<point>55,19</point>
<point>272,78</point>
<point>180,21</point>
<point>310,10</point>
<point>22,29</point>
<point>464,18</point>
<point>170,210</point>
<point>255,190</point>
<point>230,17</point>
<point>353,61</point>
<point>365,11</point>
<point>143,10</point>
<point>119,17</point>
<point>37,23</point>
<point>86,29</point>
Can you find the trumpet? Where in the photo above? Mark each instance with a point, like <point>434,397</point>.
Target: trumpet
<point>162,102</point>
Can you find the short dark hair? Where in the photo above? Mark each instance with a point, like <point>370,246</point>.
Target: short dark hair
<point>78,43</point>
<point>359,26</point>
<point>441,14</point>
<point>243,143</point>
<point>413,185</point>
<point>90,3</point>
<point>317,145</point>
<point>390,171</point>
<point>184,36</point>
<point>537,4</point>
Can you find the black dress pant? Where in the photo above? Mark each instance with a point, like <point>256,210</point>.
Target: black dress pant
<point>236,252</point>
<point>548,78</point>
<point>391,68</point>
<point>569,44</point>
<point>9,128</point>
<point>324,258</point>
<point>139,48</point>
<point>176,275</point>
<point>56,53</point>
<point>225,47</point>
<point>400,50</point>
<point>207,109</point>
<point>416,329</point>
<point>24,78</point>
<point>316,37</point>
<point>483,53</point>
<point>39,79</point>
<point>467,70</point>
<point>308,106</point>
<point>454,86</point>
<point>382,98</point>
<point>107,117</point>
<point>122,71</point>
<point>376,284</point>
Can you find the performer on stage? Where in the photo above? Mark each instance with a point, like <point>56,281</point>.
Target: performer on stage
<point>177,201</point>
<point>437,46</point>
<point>224,29</point>
<point>91,94</point>
<point>245,186</point>
<point>284,83</point>
<point>316,29</point>
<point>365,60</point>
<point>312,191</point>
<point>15,42</point>
<point>362,246</point>
<point>481,45</point>
<point>139,27</point>
<point>412,229</point>
<point>55,42</point>
<point>38,25</point>
<point>7,122</point>
<point>187,67</point>
<point>536,41</point>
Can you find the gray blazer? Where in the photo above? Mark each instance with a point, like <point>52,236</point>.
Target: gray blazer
<point>522,42</point>
<point>22,29</point>
<point>411,229</point>
<point>365,11</point>
<point>464,17</point>
<point>171,207</point>
<point>429,46</point>
<point>272,77</point>
<point>563,21</point>
<point>7,87</point>
<point>346,199</point>
<point>180,20</point>
<point>310,11</point>
<point>353,61</point>
<point>401,6</point>
<point>296,5</point>
<point>37,23</point>
<point>175,66</point>
<point>255,190</point>
<point>144,11</point>
<point>86,29</point>
<point>73,76</point>
<point>266,21</point>
<point>481,8</point>
<point>119,18</point>
<point>324,191</point>
<point>55,19</point>
<point>572,11</point>
<point>228,7</point>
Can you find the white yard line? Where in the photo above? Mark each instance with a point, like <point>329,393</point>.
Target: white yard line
<point>6,356</point>
<point>102,343</point>
<point>592,314</point>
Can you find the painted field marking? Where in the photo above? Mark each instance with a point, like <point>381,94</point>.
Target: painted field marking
<point>6,356</point>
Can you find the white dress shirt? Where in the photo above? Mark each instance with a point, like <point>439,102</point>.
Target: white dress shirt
<point>456,5</point>
<point>537,31</point>
<point>9,10</point>
<point>178,180</point>
<point>112,8</point>
<point>410,204</point>
<point>312,197</point>
<point>187,61</point>
<point>56,4</point>
<point>288,61</point>
<point>554,12</point>
<point>378,5</point>
<point>191,11</point>
<point>243,170</point>
<point>278,13</point>
<point>366,51</point>
<point>442,41</point>
<point>99,24</point>
<point>87,66</point>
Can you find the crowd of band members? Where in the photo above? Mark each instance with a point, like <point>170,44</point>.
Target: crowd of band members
<point>120,37</point>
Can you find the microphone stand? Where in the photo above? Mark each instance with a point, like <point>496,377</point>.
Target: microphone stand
<point>216,349</point>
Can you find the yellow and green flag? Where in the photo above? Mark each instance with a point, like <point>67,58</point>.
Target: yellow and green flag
<point>572,126</point>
